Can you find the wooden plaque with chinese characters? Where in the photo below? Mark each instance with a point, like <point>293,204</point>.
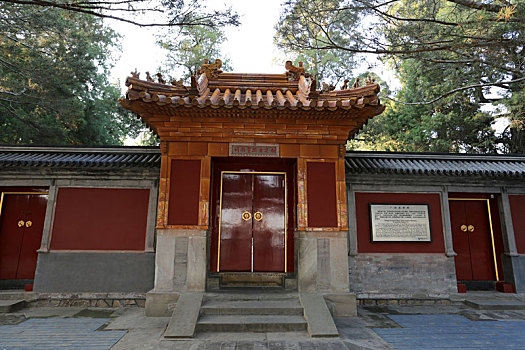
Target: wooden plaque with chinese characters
<point>253,150</point>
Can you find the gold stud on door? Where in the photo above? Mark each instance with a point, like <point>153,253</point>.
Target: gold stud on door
<point>464,228</point>
<point>246,216</point>
<point>258,216</point>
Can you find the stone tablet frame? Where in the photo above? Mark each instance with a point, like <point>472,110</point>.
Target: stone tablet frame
<point>373,239</point>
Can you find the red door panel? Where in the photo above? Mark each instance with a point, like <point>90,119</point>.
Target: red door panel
<point>19,242</point>
<point>460,240</point>
<point>268,226</point>
<point>235,232</point>
<point>472,240</point>
<point>11,235</point>
<point>480,241</point>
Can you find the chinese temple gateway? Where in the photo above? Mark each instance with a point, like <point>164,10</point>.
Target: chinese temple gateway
<point>252,189</point>
<point>252,177</point>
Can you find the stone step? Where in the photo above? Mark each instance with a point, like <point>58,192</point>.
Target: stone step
<point>496,304</point>
<point>320,321</point>
<point>251,323</point>
<point>256,295</point>
<point>7,306</point>
<point>251,279</point>
<point>183,321</point>
<point>253,307</point>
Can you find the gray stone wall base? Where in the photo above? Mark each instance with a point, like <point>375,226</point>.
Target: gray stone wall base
<point>180,262</point>
<point>94,272</point>
<point>91,300</point>
<point>161,304</point>
<point>395,276</point>
<point>322,263</point>
<point>514,271</point>
<point>344,304</point>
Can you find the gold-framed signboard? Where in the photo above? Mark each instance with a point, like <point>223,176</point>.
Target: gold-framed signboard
<point>253,150</point>
<point>400,222</point>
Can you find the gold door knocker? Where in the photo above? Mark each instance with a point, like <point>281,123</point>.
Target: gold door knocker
<point>464,228</point>
<point>21,223</point>
<point>470,228</point>
<point>258,216</point>
<point>29,223</point>
<point>246,216</point>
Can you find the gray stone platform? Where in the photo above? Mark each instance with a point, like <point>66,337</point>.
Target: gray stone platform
<point>452,326</point>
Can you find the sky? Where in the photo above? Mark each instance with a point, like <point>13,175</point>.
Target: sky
<point>250,46</point>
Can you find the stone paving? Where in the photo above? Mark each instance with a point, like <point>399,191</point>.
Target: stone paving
<point>377,327</point>
<point>452,332</point>
<point>59,333</point>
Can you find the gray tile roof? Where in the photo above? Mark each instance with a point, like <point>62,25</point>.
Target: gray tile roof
<point>356,162</point>
<point>71,157</point>
<point>435,164</point>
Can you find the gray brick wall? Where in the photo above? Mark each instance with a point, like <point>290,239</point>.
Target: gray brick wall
<point>401,275</point>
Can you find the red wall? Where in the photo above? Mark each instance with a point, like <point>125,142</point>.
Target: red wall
<point>364,244</point>
<point>183,207</point>
<point>100,219</point>
<point>517,209</point>
<point>320,189</point>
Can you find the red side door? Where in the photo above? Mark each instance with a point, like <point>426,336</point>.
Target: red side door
<point>21,225</point>
<point>252,223</point>
<point>460,239</point>
<point>480,241</point>
<point>472,240</point>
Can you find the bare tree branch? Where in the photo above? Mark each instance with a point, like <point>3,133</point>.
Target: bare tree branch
<point>453,91</point>
<point>102,9</point>
<point>26,16</point>
<point>478,5</point>
<point>401,19</point>
<point>14,93</point>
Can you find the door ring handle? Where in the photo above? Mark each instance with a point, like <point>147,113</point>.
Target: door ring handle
<point>21,223</point>
<point>471,228</point>
<point>464,228</point>
<point>258,216</point>
<point>246,216</point>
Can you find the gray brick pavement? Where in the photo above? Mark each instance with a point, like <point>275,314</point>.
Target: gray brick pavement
<point>386,327</point>
<point>59,333</point>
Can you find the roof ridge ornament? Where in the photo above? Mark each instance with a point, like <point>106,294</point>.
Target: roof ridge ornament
<point>294,72</point>
<point>149,78</point>
<point>178,83</point>
<point>212,70</point>
<point>160,79</point>
<point>135,74</point>
<point>327,87</point>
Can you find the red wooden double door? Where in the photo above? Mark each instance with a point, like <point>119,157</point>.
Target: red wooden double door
<point>21,225</point>
<point>252,222</point>
<point>473,239</point>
